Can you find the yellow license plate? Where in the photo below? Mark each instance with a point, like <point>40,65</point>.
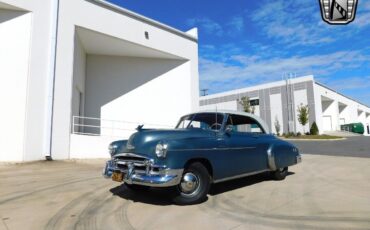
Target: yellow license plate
<point>117,176</point>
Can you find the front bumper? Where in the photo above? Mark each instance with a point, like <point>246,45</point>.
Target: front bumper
<point>164,177</point>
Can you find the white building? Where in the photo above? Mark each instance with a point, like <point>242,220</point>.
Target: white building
<point>87,58</point>
<point>280,100</point>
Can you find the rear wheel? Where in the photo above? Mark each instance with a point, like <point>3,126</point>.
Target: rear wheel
<point>280,173</point>
<point>194,185</point>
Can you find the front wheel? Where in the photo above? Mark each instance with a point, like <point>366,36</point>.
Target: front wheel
<point>194,185</point>
<point>280,173</point>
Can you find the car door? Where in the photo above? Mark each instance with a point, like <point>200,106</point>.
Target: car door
<point>245,149</point>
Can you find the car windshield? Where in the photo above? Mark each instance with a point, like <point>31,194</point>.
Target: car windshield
<point>207,121</point>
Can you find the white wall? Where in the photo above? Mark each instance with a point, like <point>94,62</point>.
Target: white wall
<point>38,53</point>
<point>350,113</point>
<point>15,34</point>
<point>344,115</point>
<point>84,14</point>
<point>79,75</point>
<point>85,147</point>
<point>229,105</point>
<point>276,112</point>
<point>70,62</point>
<point>143,90</point>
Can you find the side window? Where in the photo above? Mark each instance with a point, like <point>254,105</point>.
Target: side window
<point>244,124</point>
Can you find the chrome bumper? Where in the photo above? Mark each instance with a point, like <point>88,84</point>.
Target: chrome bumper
<point>163,178</point>
<point>299,158</point>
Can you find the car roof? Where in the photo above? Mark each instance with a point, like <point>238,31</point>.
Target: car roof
<point>233,112</point>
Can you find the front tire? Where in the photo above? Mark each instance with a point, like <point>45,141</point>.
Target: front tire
<point>280,173</point>
<point>194,185</point>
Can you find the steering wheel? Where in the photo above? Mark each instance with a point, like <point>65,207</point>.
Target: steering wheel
<point>215,126</point>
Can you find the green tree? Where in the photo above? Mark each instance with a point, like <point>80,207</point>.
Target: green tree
<point>314,129</point>
<point>277,126</point>
<point>303,112</point>
<point>245,102</point>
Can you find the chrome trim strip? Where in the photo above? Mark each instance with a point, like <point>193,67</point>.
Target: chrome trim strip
<point>271,159</point>
<point>136,163</point>
<point>130,155</point>
<point>237,148</point>
<point>241,175</point>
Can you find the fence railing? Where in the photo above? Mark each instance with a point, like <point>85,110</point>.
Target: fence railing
<point>112,128</point>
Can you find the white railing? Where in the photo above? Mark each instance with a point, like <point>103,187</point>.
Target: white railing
<point>112,128</point>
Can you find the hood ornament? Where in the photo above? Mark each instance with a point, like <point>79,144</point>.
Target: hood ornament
<point>139,127</point>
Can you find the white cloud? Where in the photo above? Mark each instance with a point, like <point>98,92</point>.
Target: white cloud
<point>209,26</point>
<point>255,69</point>
<point>206,24</point>
<point>292,22</point>
<point>363,15</point>
<point>237,23</point>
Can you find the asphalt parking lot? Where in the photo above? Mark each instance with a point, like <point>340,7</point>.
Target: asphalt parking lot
<point>324,192</point>
<point>351,146</point>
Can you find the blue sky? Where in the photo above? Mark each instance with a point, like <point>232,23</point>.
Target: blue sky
<point>244,43</point>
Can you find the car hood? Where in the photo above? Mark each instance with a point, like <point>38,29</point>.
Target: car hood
<point>144,141</point>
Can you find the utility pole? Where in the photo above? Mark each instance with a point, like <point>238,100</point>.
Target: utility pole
<point>204,92</point>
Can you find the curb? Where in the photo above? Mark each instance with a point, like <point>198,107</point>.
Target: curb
<point>297,139</point>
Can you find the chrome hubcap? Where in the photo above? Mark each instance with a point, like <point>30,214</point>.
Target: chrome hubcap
<point>189,183</point>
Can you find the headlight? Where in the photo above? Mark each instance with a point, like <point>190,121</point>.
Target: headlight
<point>112,149</point>
<point>161,149</point>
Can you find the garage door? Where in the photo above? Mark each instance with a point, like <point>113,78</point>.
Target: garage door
<point>342,121</point>
<point>326,123</point>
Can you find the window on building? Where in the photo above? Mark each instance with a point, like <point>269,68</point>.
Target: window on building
<point>254,102</point>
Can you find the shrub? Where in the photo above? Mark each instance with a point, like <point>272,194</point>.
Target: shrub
<point>299,134</point>
<point>314,129</point>
<point>307,133</point>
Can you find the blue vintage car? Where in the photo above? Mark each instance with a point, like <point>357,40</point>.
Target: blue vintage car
<point>204,148</point>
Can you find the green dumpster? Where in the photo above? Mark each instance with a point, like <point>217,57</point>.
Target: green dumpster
<point>353,127</point>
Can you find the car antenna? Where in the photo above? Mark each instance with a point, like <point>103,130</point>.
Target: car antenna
<point>216,119</point>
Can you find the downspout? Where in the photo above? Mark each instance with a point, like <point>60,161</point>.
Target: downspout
<point>48,128</point>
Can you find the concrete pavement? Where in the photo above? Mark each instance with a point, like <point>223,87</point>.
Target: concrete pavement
<point>352,146</point>
<point>324,192</point>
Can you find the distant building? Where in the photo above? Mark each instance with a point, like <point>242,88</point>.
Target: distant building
<point>74,71</point>
<point>278,101</point>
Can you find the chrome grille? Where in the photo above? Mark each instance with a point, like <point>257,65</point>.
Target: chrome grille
<point>140,163</point>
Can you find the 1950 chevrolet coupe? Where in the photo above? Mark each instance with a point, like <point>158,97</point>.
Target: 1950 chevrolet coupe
<point>204,148</point>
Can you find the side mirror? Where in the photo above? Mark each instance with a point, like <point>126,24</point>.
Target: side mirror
<point>229,129</point>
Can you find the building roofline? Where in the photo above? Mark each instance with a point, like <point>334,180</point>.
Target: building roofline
<point>260,86</point>
<point>142,18</point>
<point>331,89</point>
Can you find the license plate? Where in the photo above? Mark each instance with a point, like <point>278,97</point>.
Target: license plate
<point>117,176</point>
